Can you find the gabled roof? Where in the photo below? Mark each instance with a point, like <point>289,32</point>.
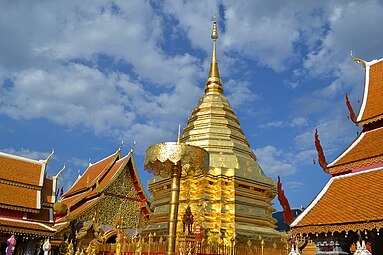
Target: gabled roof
<point>23,185</point>
<point>349,202</point>
<point>26,195</point>
<point>82,197</point>
<point>93,174</point>
<point>82,208</point>
<point>372,107</point>
<point>366,149</point>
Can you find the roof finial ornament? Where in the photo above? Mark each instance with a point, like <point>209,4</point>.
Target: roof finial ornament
<point>358,60</point>
<point>134,145</point>
<point>49,156</point>
<point>57,176</point>
<point>321,157</point>
<point>214,83</point>
<point>122,144</point>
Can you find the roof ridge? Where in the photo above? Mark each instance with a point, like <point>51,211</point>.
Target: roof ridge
<point>34,161</point>
<point>118,171</point>
<point>99,175</point>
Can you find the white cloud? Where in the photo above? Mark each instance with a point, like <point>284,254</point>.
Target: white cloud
<point>294,186</point>
<point>79,162</point>
<point>239,93</point>
<point>53,55</point>
<point>295,122</point>
<point>274,161</point>
<point>27,153</point>
<point>335,133</point>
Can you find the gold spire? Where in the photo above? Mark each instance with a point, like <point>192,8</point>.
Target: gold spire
<point>214,83</point>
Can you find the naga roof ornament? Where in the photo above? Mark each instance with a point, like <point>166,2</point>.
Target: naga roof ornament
<point>321,157</point>
<point>358,60</point>
<point>351,110</point>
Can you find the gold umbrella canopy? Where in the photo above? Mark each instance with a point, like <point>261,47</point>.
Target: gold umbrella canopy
<point>160,158</point>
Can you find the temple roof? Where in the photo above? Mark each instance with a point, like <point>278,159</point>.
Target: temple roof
<point>92,174</point>
<point>349,202</point>
<point>21,170</point>
<point>19,198</point>
<point>90,188</point>
<point>25,226</point>
<point>372,107</point>
<point>85,205</point>
<point>366,149</point>
<point>23,185</point>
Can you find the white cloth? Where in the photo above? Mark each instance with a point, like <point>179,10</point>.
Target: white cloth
<point>46,247</point>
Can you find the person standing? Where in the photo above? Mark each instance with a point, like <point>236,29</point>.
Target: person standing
<point>11,243</point>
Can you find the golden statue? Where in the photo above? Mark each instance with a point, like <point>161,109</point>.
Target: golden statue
<point>70,250</point>
<point>118,243</point>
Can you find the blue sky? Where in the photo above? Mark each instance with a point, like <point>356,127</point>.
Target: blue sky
<point>82,76</point>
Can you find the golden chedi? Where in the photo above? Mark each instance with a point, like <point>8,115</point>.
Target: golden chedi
<point>233,200</point>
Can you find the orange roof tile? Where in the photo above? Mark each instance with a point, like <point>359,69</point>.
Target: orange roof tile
<point>347,203</point>
<point>366,149</point>
<point>21,170</point>
<point>47,191</point>
<point>79,210</point>
<point>372,107</point>
<point>92,174</point>
<point>111,174</point>
<point>69,201</point>
<point>22,226</point>
<point>15,196</point>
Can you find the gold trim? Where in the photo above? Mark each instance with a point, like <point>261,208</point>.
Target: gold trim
<point>19,208</point>
<point>27,231</point>
<point>22,185</point>
<point>338,228</point>
<point>348,166</point>
<point>89,207</point>
<point>370,120</point>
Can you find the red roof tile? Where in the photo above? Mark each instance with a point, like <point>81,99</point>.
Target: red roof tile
<point>347,203</point>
